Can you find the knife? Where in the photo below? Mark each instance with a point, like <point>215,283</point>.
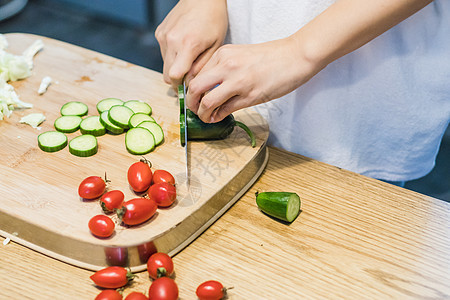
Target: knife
<point>184,127</point>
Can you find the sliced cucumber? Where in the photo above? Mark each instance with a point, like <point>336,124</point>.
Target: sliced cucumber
<point>68,124</point>
<point>139,141</point>
<point>120,115</point>
<point>104,120</point>
<point>92,125</point>
<point>138,118</point>
<point>107,103</point>
<point>52,141</point>
<point>139,106</point>
<point>155,129</point>
<point>84,145</point>
<point>74,108</point>
<point>281,205</point>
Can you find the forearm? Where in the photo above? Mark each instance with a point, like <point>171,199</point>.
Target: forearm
<point>347,25</point>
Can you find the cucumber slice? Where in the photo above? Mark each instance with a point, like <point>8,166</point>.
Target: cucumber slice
<point>68,124</point>
<point>104,120</point>
<point>139,106</point>
<point>281,205</point>
<point>155,129</point>
<point>120,115</point>
<point>139,118</point>
<point>74,108</point>
<point>139,141</point>
<point>84,145</point>
<point>92,125</point>
<point>107,103</point>
<point>52,141</point>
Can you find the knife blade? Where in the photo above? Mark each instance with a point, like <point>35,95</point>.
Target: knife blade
<point>184,127</point>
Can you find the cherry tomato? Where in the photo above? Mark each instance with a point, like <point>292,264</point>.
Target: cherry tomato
<point>101,226</point>
<point>112,200</point>
<point>163,193</point>
<point>210,290</point>
<point>140,176</point>
<point>92,187</point>
<point>159,264</point>
<point>137,210</point>
<point>109,295</point>
<point>163,176</point>
<point>112,277</point>
<point>136,296</point>
<point>163,288</point>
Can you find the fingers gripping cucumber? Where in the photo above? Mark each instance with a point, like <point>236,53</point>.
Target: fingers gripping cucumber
<point>281,205</point>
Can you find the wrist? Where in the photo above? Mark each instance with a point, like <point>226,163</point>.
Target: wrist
<point>308,59</point>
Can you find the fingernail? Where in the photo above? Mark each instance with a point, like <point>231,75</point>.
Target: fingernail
<point>212,119</point>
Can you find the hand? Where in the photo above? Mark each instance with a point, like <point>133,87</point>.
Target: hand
<point>239,76</point>
<point>189,35</point>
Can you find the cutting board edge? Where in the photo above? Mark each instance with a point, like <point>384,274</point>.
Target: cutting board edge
<point>169,242</point>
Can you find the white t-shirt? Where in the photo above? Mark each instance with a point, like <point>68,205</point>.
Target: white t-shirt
<point>380,111</point>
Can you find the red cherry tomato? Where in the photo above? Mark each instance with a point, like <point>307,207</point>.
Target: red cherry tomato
<point>109,295</point>
<point>91,187</point>
<point>101,226</point>
<point>137,210</point>
<point>163,288</point>
<point>210,290</point>
<point>112,277</point>
<point>159,264</point>
<point>163,176</point>
<point>140,176</point>
<point>112,200</point>
<point>136,296</point>
<point>163,193</point>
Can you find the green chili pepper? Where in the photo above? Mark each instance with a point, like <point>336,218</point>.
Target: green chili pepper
<point>199,130</point>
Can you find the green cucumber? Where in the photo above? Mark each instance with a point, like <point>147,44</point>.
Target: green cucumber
<point>68,124</point>
<point>108,125</point>
<point>92,125</point>
<point>120,115</point>
<point>74,108</point>
<point>139,118</point>
<point>52,141</point>
<point>107,103</point>
<point>281,205</point>
<point>84,145</point>
<point>139,141</point>
<point>155,129</point>
<point>139,106</point>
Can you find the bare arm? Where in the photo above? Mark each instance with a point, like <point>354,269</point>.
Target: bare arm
<point>252,74</point>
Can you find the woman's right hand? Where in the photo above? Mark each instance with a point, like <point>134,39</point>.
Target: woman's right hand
<point>189,35</point>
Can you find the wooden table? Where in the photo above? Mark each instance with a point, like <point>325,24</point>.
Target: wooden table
<point>355,238</point>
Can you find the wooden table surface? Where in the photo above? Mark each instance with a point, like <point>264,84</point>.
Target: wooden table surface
<point>355,238</point>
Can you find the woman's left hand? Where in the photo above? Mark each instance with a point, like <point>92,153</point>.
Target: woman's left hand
<point>239,76</point>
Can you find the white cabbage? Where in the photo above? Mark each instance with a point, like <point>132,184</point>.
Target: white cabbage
<point>13,68</point>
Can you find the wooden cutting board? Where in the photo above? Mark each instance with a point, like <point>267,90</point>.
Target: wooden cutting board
<point>41,208</point>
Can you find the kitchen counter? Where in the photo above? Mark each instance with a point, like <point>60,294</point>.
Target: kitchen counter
<point>355,238</point>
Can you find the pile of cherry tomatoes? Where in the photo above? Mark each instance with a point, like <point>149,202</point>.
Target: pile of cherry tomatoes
<point>160,190</point>
<point>160,268</point>
<point>159,186</point>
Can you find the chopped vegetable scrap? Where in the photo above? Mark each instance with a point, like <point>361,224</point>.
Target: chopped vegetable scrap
<point>13,68</point>
<point>34,119</point>
<point>46,81</point>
